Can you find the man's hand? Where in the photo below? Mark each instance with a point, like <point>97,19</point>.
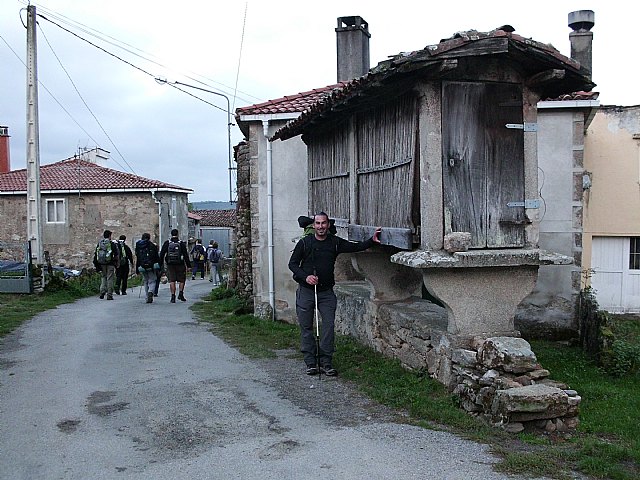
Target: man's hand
<point>376,235</point>
<point>312,280</point>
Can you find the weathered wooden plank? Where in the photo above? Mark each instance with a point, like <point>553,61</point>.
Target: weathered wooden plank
<point>397,237</point>
<point>464,164</point>
<point>505,166</point>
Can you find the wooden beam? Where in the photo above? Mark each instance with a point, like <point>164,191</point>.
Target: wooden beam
<point>545,77</point>
<point>398,237</point>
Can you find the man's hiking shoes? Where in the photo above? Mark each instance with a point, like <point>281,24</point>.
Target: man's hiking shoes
<point>101,296</point>
<point>181,297</point>
<point>173,299</point>
<point>329,371</point>
<point>150,297</point>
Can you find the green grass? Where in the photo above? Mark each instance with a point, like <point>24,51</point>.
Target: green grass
<point>605,445</point>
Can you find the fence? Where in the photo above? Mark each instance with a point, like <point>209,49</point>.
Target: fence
<point>15,267</point>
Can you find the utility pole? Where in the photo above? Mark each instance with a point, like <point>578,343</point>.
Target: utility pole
<point>34,207</point>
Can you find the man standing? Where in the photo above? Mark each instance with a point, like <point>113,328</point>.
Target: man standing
<point>105,259</point>
<point>147,264</point>
<point>174,251</point>
<point>198,255</point>
<point>312,263</point>
<point>122,272</point>
<point>215,257</point>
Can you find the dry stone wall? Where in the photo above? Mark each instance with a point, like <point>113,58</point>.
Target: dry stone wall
<point>496,378</point>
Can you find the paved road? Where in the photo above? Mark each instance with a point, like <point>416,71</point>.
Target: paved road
<point>126,390</point>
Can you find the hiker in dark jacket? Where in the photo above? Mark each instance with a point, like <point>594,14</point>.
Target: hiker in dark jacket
<point>312,263</point>
<point>106,258</point>
<point>122,272</point>
<point>199,257</point>
<point>147,264</point>
<point>174,253</point>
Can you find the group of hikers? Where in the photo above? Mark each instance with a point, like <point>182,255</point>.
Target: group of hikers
<point>114,258</point>
<point>312,263</point>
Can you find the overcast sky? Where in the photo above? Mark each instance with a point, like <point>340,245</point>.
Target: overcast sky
<point>250,51</point>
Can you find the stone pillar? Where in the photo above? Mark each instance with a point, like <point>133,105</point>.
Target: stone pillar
<point>391,282</point>
<point>481,301</point>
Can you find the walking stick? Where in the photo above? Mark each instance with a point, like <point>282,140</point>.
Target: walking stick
<point>317,321</point>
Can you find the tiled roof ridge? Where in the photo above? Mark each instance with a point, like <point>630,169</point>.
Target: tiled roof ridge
<point>459,39</point>
<point>279,102</point>
<point>63,175</point>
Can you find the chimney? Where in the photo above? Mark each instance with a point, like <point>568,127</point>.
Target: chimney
<point>5,160</point>
<point>96,155</point>
<point>581,22</point>
<point>352,40</point>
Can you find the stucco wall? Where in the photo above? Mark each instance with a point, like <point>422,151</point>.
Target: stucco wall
<point>88,215</point>
<point>612,156</point>
<point>290,200</point>
<point>549,310</point>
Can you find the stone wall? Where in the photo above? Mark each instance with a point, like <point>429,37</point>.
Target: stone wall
<point>72,243</point>
<point>496,378</point>
<point>243,271</point>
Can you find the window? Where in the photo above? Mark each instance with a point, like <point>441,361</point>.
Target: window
<point>55,211</point>
<point>634,253</point>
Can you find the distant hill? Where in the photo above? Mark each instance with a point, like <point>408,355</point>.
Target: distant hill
<point>213,205</point>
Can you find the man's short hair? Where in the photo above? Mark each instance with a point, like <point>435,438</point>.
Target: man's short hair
<point>320,214</point>
<point>107,233</point>
<point>174,232</point>
<point>146,236</point>
<point>123,237</point>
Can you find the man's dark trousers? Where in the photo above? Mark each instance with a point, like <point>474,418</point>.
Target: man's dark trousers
<point>122,277</point>
<point>305,309</point>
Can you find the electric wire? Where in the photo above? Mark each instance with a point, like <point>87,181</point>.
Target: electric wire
<point>85,103</point>
<point>122,59</point>
<point>146,57</point>
<point>55,99</point>
<point>244,23</point>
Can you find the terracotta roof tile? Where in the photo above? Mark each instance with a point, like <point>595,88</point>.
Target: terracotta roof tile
<point>289,104</point>
<point>75,174</point>
<point>217,218</point>
<point>432,56</point>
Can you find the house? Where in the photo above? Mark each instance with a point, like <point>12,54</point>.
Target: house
<point>275,186</point>
<point>439,147</point>
<point>80,199</point>
<point>219,226</point>
<point>611,239</point>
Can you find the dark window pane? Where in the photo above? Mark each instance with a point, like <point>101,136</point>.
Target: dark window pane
<point>634,253</point>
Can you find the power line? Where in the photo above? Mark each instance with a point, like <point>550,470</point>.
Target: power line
<point>119,44</point>
<point>56,100</point>
<point>244,23</point>
<point>85,103</point>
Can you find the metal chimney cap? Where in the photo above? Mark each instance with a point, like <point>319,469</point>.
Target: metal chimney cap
<point>582,20</point>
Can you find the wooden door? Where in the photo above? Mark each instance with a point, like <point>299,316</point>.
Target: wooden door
<point>483,162</point>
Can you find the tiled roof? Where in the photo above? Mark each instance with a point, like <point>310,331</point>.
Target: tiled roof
<point>290,104</point>
<point>217,218</point>
<point>435,61</point>
<point>575,96</point>
<point>74,174</point>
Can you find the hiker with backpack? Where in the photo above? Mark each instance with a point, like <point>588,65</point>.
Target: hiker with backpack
<point>174,252</point>
<point>122,272</point>
<point>215,258</point>
<point>106,258</point>
<point>147,264</point>
<point>199,257</point>
<point>312,263</point>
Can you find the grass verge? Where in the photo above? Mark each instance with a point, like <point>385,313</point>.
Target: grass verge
<point>606,444</point>
<point>16,308</point>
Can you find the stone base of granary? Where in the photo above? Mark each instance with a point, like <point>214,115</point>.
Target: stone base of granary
<point>495,377</point>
